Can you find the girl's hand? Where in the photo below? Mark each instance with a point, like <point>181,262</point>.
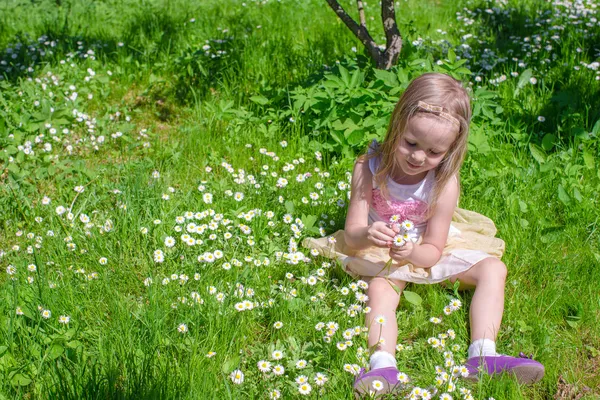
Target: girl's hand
<point>381,234</point>
<point>402,253</point>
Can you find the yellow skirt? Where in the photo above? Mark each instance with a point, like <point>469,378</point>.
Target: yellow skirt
<point>471,240</point>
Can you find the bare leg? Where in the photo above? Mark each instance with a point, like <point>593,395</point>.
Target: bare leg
<point>487,307</point>
<point>383,300</point>
<point>489,278</point>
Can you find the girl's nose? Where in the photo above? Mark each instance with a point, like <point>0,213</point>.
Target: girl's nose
<point>418,157</point>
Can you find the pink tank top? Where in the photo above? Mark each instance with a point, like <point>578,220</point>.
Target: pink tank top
<point>407,201</point>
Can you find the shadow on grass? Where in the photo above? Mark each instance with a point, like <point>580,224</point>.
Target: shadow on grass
<point>131,377</point>
<point>150,33</point>
<point>572,104</point>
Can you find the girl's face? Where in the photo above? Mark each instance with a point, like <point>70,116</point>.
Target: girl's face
<point>424,144</point>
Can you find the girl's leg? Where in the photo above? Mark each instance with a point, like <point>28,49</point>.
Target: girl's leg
<point>383,300</point>
<point>488,277</point>
<point>383,374</point>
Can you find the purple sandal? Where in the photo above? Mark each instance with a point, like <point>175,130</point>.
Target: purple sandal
<point>524,368</point>
<point>377,381</point>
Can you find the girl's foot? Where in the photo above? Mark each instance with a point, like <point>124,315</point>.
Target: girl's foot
<point>523,368</point>
<point>376,382</point>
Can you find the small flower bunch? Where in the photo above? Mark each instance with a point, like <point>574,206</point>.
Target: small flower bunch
<point>406,231</point>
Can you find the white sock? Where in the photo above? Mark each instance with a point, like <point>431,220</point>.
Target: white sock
<point>482,348</point>
<point>382,359</point>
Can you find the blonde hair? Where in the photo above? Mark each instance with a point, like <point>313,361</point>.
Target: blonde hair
<point>445,94</point>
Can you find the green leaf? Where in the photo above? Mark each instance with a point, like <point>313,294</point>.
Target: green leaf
<point>12,167</point>
<point>289,206</point>
<point>308,221</point>
<point>388,78</point>
<point>55,351</point>
<point>562,195</point>
<point>523,80</point>
<point>357,79</point>
<point>537,153</point>
<point>577,195</point>
<point>588,159</point>
<point>573,320</point>
<point>20,380</point>
<point>355,137</point>
<point>73,344</point>
<point>523,206</point>
<point>296,305</point>
<point>451,55</point>
<point>412,298</point>
<point>345,75</point>
<point>581,133</point>
<point>596,128</point>
<point>260,100</point>
<point>231,364</point>
<point>3,350</point>
<point>548,141</point>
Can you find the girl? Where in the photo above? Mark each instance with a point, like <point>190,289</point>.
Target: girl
<point>414,174</point>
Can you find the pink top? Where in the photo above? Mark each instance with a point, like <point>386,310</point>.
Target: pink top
<point>408,201</point>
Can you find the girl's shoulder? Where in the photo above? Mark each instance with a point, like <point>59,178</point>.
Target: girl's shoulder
<point>373,156</point>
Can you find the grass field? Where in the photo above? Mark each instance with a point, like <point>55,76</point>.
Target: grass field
<point>161,162</point>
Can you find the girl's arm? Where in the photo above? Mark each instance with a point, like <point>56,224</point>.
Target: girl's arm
<point>428,252</point>
<point>358,234</point>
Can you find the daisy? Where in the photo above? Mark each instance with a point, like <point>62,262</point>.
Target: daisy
<point>455,304</point>
<point>408,225</point>
<point>301,364</point>
<point>304,388</point>
<point>46,314</point>
<point>169,241</point>
<point>278,370</point>
<point>274,394</point>
<point>64,319</point>
<point>301,379</point>
<point>402,377</point>
<point>277,355</point>
<point>380,319</point>
<point>320,379</point>
<point>182,328</point>
<point>377,385</point>
<point>237,377</point>
<point>264,366</point>
<point>399,241</point>
<point>278,325</point>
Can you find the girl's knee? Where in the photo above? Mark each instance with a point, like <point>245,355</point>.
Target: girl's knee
<point>495,269</point>
<point>380,286</point>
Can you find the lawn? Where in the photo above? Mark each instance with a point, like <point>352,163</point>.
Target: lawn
<point>162,161</point>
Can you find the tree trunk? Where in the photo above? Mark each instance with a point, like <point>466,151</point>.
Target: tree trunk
<point>383,59</point>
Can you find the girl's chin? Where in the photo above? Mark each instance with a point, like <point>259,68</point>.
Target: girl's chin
<point>411,168</point>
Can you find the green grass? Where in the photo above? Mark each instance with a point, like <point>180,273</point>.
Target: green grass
<point>536,179</point>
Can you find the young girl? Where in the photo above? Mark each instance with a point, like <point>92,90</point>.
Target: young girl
<point>413,174</point>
